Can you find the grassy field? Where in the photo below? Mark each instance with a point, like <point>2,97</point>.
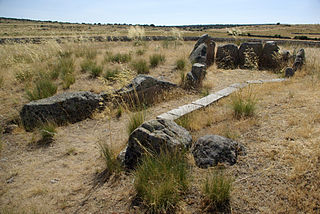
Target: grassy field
<point>279,174</point>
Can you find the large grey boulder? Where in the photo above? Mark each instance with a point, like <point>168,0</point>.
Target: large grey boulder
<point>269,58</point>
<point>227,56</point>
<point>60,109</point>
<point>203,51</point>
<point>299,60</point>
<point>155,136</point>
<point>210,150</point>
<point>196,76</point>
<point>143,89</point>
<point>249,55</point>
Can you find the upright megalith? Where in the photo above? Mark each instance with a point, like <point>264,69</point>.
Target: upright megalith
<point>227,56</point>
<point>299,60</point>
<point>62,108</point>
<point>153,137</point>
<point>196,76</point>
<point>203,51</point>
<point>249,55</point>
<point>269,58</point>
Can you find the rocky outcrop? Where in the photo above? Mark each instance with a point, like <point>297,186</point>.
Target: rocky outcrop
<point>155,136</point>
<point>249,55</point>
<point>60,109</point>
<point>227,56</point>
<point>210,150</point>
<point>269,58</point>
<point>143,89</point>
<point>203,51</point>
<point>195,77</point>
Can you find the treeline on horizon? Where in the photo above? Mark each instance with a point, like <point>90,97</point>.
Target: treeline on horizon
<point>205,26</point>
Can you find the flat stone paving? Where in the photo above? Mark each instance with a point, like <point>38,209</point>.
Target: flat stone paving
<point>211,98</point>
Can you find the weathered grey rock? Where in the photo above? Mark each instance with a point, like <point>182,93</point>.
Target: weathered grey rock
<point>203,51</point>
<point>227,56</point>
<point>143,89</point>
<point>269,58</point>
<point>62,108</point>
<point>289,72</point>
<point>210,150</point>
<point>249,55</point>
<point>196,76</point>
<point>155,136</point>
<point>285,55</point>
<point>199,55</point>
<point>299,60</point>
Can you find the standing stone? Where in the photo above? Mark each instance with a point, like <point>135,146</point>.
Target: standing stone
<point>210,150</point>
<point>299,60</point>
<point>249,55</point>
<point>203,51</point>
<point>62,108</point>
<point>227,56</point>
<point>196,76</point>
<point>269,59</point>
<point>155,136</point>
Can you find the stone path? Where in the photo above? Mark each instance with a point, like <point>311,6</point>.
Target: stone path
<point>211,98</point>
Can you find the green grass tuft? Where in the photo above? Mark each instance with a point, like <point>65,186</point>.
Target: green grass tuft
<point>135,120</point>
<point>141,66</point>
<point>119,58</point>
<point>243,104</point>
<point>43,88</point>
<point>217,189</point>
<point>112,163</point>
<point>96,71</point>
<point>87,65</point>
<point>111,74</point>
<point>156,59</point>
<point>181,64</point>
<point>161,180</point>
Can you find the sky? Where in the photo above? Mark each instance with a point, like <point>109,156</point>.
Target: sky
<point>165,12</point>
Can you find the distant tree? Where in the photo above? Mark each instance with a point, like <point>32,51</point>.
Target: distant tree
<point>278,23</point>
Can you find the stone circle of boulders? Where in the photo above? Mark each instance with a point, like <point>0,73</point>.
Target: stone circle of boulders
<point>227,56</point>
<point>211,150</point>
<point>196,76</point>
<point>269,58</point>
<point>203,51</point>
<point>60,109</point>
<point>297,64</point>
<point>249,55</point>
<point>142,89</point>
<point>154,136</point>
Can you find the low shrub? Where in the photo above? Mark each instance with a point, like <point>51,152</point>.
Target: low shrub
<point>135,120</point>
<point>243,104</point>
<point>48,130</point>
<point>160,180</point>
<point>110,158</point>
<point>180,64</point>
<point>111,74</point>
<point>141,66</point>
<point>217,189</point>
<point>156,59</point>
<point>43,88</point>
